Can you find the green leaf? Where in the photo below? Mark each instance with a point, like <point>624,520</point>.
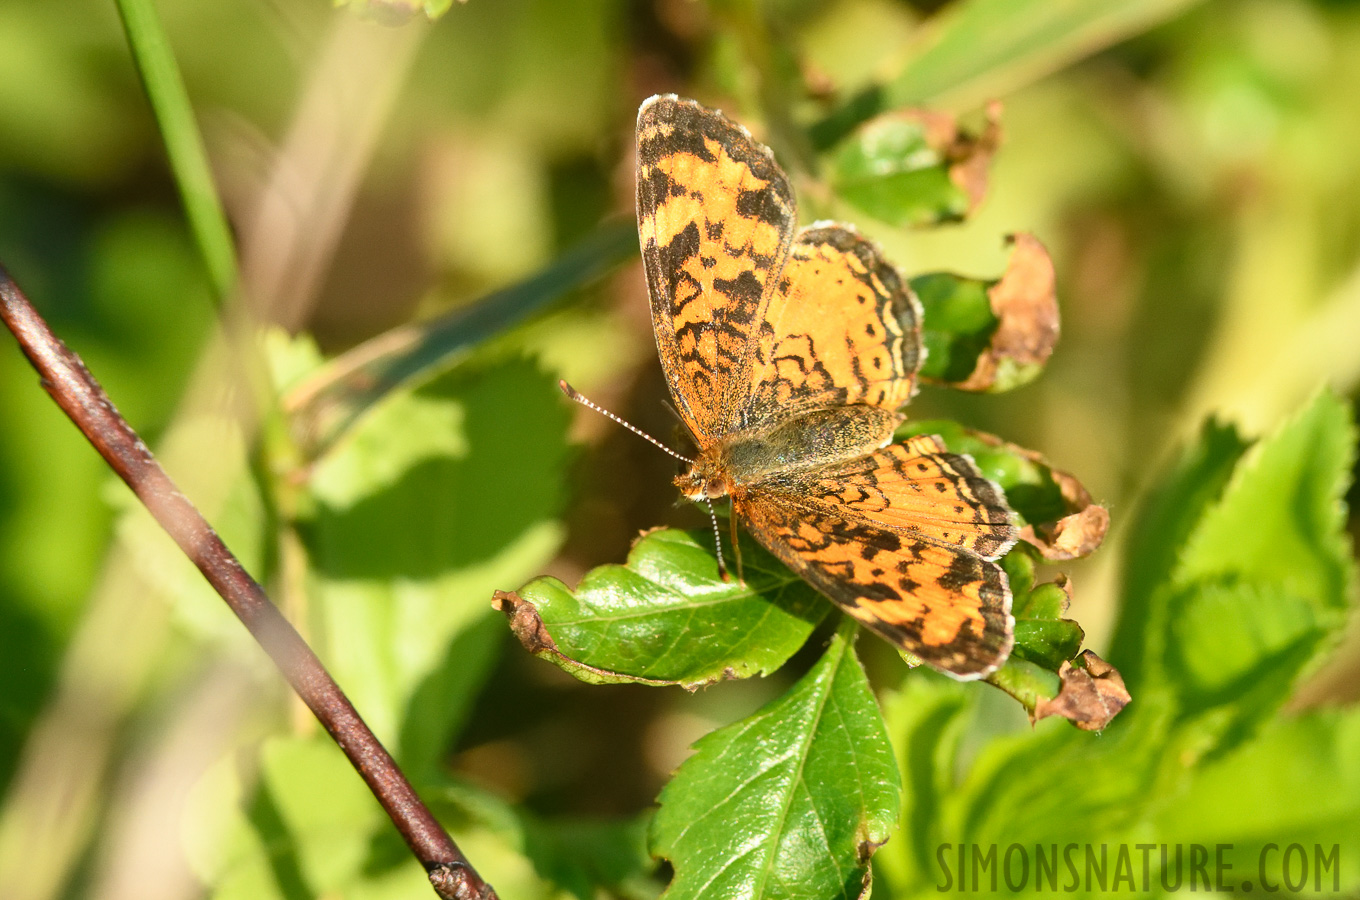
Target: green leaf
<point>789,802</point>
<point>1047,642</point>
<point>1281,519</point>
<point>1042,635</point>
<point>1228,638</point>
<point>1264,579</point>
<point>1166,518</point>
<point>667,617</point>
<point>913,168</point>
<point>441,496</point>
<point>1028,682</point>
<point>957,325</point>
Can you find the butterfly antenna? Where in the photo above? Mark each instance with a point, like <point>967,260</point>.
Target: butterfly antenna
<point>575,395</point>
<point>717,542</point>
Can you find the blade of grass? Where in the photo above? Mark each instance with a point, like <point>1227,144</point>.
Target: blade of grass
<point>323,407</point>
<point>183,143</point>
<point>982,49</point>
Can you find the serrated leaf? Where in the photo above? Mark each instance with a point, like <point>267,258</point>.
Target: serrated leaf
<point>1166,517</point>
<point>1281,517</point>
<point>1226,635</point>
<point>914,167</point>
<point>789,802</point>
<point>1042,636</point>
<point>1263,581</point>
<point>667,617</point>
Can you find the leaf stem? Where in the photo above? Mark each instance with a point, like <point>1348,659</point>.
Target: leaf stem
<point>183,143</point>
<point>80,396</point>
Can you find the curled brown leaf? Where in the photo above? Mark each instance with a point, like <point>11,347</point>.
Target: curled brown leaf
<point>970,156</point>
<point>1076,534</point>
<point>525,622</point>
<point>1092,694</point>
<point>1025,303</point>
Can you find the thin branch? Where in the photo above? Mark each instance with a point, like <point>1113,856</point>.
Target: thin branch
<point>75,390</point>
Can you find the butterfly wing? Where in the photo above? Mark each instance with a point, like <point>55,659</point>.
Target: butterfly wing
<point>715,220</point>
<point>843,327</point>
<point>905,540</point>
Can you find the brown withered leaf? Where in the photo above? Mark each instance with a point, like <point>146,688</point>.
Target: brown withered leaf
<point>1076,534</point>
<point>1025,303</point>
<point>1092,694</point>
<point>970,156</point>
<point>525,623</point>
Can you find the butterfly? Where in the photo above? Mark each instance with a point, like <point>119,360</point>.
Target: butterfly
<point>788,353</point>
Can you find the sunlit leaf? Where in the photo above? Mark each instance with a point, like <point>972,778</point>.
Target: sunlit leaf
<point>789,802</point>
<point>1169,513</point>
<point>415,520</point>
<point>667,617</point>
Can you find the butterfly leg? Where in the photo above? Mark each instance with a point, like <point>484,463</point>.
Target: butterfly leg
<point>736,542</point>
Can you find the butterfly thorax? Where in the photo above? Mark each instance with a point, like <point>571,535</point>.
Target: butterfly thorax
<point>764,453</point>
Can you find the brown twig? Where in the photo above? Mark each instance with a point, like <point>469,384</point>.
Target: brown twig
<point>75,390</point>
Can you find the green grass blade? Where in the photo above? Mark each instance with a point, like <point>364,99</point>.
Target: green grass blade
<point>183,143</point>
<point>325,406</point>
<point>986,48</point>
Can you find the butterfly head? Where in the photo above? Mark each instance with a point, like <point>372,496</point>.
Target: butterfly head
<point>704,479</point>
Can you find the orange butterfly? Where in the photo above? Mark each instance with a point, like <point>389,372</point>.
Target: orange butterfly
<point>788,353</point>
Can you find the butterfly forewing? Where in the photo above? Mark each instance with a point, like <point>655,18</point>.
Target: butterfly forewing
<point>715,220</point>
<point>842,327</point>
<point>788,361</point>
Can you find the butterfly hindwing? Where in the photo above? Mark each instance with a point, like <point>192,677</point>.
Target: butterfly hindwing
<point>843,326</point>
<point>949,607</point>
<point>921,488</point>
<point>715,220</point>
<point>905,541</point>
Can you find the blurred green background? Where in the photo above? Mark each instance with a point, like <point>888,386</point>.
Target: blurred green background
<point>1190,166</point>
